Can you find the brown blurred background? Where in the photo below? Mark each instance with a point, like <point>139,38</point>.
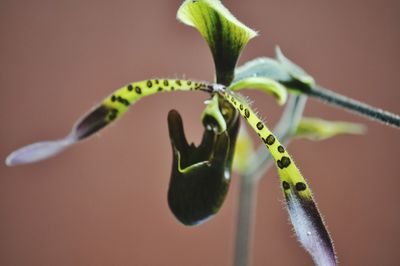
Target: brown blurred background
<point>103,202</point>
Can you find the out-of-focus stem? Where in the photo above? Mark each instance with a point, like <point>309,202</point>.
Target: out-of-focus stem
<point>261,161</point>
<point>354,106</point>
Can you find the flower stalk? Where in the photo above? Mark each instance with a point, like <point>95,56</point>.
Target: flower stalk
<point>200,175</point>
<point>355,106</point>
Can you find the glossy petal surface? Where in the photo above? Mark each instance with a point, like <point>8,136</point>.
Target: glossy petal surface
<point>200,175</point>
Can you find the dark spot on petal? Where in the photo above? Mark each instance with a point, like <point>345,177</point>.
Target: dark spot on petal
<point>246,113</point>
<point>270,139</point>
<point>123,101</point>
<point>300,186</point>
<point>178,82</point>
<point>113,98</point>
<point>260,125</point>
<point>113,114</point>
<point>281,149</point>
<point>166,82</point>
<point>149,84</point>
<point>138,90</point>
<point>130,87</point>
<point>283,162</point>
<point>285,185</point>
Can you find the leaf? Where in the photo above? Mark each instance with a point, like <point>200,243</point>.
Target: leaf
<point>294,70</point>
<point>225,35</point>
<point>262,67</point>
<point>281,70</point>
<point>303,212</point>
<point>109,110</point>
<point>319,129</point>
<point>200,175</point>
<point>263,84</point>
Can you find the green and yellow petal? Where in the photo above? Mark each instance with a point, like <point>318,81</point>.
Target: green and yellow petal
<point>303,212</point>
<point>109,110</point>
<point>226,36</point>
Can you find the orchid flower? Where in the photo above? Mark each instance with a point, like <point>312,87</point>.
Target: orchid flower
<point>201,174</point>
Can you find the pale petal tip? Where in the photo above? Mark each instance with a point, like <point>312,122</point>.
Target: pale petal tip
<point>311,231</point>
<point>37,151</point>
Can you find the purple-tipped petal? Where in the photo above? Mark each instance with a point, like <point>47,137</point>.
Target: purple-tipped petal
<point>109,110</point>
<point>310,229</point>
<point>38,151</point>
<point>304,215</point>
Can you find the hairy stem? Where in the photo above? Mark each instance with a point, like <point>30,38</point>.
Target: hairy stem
<point>355,106</point>
<point>261,161</point>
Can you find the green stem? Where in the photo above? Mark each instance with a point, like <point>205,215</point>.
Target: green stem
<point>355,106</point>
<point>245,221</point>
<point>261,161</point>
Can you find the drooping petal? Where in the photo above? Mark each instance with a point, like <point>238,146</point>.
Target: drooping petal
<point>309,226</point>
<point>200,175</point>
<point>266,85</point>
<point>109,110</point>
<point>225,35</point>
<point>303,212</point>
<point>319,129</point>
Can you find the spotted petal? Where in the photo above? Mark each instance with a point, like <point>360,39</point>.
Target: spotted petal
<point>109,110</point>
<point>303,212</point>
